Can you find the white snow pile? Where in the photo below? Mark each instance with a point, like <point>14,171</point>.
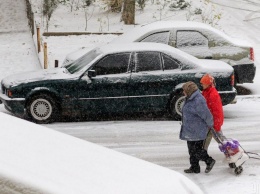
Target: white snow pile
<point>35,159</point>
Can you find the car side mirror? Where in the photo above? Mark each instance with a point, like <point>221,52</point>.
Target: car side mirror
<point>92,73</point>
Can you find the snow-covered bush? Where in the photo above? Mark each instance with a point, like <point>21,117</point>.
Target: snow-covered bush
<point>178,5</point>
<point>206,12</point>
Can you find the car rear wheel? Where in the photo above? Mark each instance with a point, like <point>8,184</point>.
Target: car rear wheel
<point>176,105</point>
<point>42,109</point>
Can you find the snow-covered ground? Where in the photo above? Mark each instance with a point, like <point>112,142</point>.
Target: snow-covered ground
<point>152,140</point>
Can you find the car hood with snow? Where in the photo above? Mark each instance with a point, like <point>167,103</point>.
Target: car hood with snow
<point>36,76</point>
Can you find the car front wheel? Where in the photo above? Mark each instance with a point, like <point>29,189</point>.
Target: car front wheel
<point>42,109</point>
<point>176,105</point>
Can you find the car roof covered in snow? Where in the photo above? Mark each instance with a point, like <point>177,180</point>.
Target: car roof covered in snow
<point>128,47</point>
<point>140,32</point>
<point>144,46</point>
<point>188,61</point>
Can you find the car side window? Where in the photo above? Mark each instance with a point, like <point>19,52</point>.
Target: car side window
<point>170,63</point>
<point>148,61</point>
<point>190,39</point>
<point>160,37</point>
<point>112,64</point>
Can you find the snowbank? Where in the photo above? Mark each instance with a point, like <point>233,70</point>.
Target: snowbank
<point>35,159</point>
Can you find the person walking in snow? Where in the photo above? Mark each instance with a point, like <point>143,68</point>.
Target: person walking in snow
<point>196,121</point>
<point>214,104</point>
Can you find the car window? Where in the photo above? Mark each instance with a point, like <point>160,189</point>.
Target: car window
<point>190,38</point>
<point>170,63</point>
<point>160,37</point>
<point>148,61</point>
<point>112,64</point>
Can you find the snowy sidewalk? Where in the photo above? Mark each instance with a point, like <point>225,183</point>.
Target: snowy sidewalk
<point>17,50</point>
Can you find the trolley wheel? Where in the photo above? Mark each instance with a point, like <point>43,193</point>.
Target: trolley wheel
<point>238,170</point>
<point>232,165</point>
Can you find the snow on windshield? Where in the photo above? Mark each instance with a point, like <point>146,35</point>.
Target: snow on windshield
<point>79,64</point>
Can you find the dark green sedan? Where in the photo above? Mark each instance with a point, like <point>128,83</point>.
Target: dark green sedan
<point>114,78</point>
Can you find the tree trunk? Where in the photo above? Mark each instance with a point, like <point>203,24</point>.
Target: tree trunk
<point>128,15</point>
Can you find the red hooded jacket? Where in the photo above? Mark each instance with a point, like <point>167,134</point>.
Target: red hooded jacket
<point>215,106</point>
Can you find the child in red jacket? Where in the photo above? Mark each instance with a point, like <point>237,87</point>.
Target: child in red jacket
<point>215,106</point>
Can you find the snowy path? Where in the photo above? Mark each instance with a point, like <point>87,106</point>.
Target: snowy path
<point>15,39</point>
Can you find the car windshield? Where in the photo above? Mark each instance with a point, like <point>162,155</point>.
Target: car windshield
<point>79,64</point>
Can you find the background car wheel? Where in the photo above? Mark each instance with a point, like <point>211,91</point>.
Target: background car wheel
<point>176,105</point>
<point>42,109</point>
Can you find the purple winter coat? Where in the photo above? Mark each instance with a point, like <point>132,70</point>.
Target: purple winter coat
<point>196,118</point>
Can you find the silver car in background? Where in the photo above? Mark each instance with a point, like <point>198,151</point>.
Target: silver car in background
<point>199,40</point>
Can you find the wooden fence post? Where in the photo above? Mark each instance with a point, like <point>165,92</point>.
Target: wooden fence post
<point>56,63</point>
<point>45,55</point>
<point>38,39</point>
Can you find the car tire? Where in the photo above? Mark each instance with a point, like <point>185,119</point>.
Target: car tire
<point>42,109</point>
<point>176,105</point>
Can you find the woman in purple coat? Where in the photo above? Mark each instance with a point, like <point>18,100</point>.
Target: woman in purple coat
<point>196,121</point>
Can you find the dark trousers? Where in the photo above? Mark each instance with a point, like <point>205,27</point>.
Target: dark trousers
<point>197,153</point>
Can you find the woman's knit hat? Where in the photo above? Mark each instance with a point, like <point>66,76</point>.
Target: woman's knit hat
<point>207,79</point>
<point>189,88</point>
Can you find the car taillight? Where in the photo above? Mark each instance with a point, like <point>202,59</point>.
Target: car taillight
<point>232,80</point>
<point>9,93</point>
<point>252,55</point>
